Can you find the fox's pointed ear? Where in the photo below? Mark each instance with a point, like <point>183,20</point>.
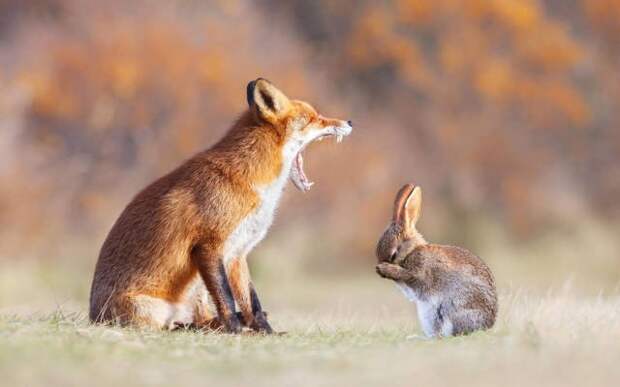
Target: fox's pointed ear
<point>399,203</point>
<point>267,101</point>
<point>413,207</point>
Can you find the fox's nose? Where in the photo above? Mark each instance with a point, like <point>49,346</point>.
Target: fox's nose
<point>350,123</point>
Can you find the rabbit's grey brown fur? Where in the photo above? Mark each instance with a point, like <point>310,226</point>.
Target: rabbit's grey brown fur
<point>453,289</point>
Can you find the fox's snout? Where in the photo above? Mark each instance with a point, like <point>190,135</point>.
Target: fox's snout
<point>344,128</point>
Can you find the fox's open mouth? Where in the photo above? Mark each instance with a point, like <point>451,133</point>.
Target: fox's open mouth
<point>298,176</point>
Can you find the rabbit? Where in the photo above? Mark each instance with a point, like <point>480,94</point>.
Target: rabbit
<point>453,289</point>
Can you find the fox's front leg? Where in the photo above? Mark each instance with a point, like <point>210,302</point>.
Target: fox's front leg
<point>246,296</point>
<point>392,271</point>
<point>212,271</point>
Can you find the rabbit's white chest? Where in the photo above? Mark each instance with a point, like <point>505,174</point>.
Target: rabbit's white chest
<point>427,309</point>
<point>407,292</point>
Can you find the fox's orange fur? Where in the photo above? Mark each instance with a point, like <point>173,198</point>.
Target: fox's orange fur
<point>170,240</point>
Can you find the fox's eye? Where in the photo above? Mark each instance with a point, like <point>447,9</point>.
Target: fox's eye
<point>300,122</point>
<point>307,122</point>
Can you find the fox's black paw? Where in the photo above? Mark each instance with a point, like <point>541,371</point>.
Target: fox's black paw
<point>260,324</point>
<point>232,324</point>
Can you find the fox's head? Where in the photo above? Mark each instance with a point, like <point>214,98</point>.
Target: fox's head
<point>298,123</point>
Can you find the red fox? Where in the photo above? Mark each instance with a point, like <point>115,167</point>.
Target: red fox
<point>187,236</point>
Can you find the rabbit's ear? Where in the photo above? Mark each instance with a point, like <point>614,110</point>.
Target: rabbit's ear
<point>399,203</point>
<point>413,206</point>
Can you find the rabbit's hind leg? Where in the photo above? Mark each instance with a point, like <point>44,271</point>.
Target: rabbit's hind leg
<point>463,322</point>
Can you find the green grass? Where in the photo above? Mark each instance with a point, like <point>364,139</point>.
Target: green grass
<point>559,339</point>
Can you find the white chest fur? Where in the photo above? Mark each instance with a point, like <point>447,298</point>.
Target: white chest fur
<point>407,292</point>
<point>253,228</point>
<point>427,309</point>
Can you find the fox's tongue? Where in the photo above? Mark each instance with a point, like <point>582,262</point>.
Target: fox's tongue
<point>298,176</point>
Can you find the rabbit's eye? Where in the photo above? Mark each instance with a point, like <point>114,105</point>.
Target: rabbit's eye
<point>393,255</point>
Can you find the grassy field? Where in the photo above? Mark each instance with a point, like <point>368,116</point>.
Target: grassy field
<point>556,327</point>
<point>353,333</point>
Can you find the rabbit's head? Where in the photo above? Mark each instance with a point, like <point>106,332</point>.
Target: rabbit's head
<point>401,233</point>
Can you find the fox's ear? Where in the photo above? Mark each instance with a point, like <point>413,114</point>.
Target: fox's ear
<point>399,203</point>
<point>267,101</point>
<point>413,207</point>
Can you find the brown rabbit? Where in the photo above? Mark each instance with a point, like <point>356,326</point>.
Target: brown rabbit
<point>453,289</point>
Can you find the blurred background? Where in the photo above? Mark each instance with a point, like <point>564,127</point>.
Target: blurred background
<point>505,112</point>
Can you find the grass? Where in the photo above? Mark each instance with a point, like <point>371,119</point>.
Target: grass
<point>558,339</point>
<point>344,328</point>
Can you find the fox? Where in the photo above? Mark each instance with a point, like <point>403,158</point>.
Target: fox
<point>179,249</point>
